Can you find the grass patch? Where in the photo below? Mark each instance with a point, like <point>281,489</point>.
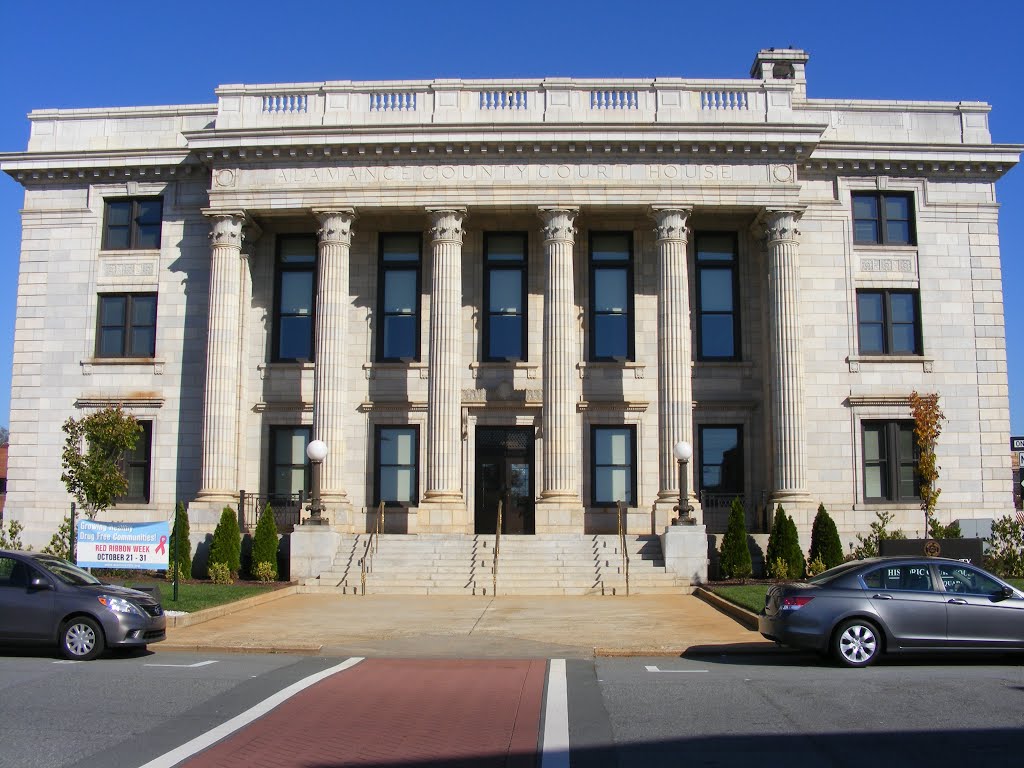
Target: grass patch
<point>749,596</point>
<point>195,596</point>
<point>1018,583</point>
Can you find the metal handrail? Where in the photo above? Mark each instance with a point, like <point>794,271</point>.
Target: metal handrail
<point>620,506</point>
<point>497,549</point>
<point>371,548</point>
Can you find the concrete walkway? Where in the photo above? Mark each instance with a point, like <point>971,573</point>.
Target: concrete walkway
<point>471,627</point>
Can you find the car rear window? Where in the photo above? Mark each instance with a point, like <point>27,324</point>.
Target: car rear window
<point>833,573</point>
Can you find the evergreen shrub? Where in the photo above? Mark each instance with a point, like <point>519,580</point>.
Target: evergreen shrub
<point>226,548</point>
<point>181,530</point>
<point>825,543</point>
<point>735,562</point>
<point>264,544</point>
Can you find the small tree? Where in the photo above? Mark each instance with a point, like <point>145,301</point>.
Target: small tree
<point>11,538</point>
<point>775,549</point>
<point>1005,555</point>
<point>226,548</point>
<point>825,543</point>
<point>93,446</point>
<point>264,543</point>
<point>937,530</point>
<point>5,436</point>
<point>180,533</point>
<point>928,418</point>
<point>735,560</point>
<point>793,553</point>
<point>868,545</point>
<point>60,542</point>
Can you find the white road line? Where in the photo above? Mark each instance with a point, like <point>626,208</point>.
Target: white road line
<point>185,666</point>
<point>655,669</point>
<point>555,740</point>
<point>238,722</point>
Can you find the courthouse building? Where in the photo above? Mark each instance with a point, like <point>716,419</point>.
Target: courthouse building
<point>525,290</point>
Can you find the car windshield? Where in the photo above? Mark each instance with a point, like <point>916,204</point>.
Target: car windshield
<point>826,576</point>
<point>66,572</point>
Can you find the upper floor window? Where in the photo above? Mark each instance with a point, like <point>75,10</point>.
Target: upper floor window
<point>135,465</point>
<point>890,461</point>
<point>611,296</point>
<point>132,224</point>
<point>398,336</point>
<point>397,466</point>
<point>614,465</point>
<point>887,322</point>
<point>883,218</point>
<point>290,470</point>
<point>504,330</point>
<point>126,325</point>
<point>717,296</point>
<point>295,281</point>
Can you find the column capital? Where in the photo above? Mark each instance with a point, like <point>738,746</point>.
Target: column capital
<point>231,227</point>
<point>335,224</point>
<point>559,222</point>
<point>670,221</point>
<point>779,225</point>
<point>446,224</point>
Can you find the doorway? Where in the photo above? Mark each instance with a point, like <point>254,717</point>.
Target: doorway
<point>504,472</point>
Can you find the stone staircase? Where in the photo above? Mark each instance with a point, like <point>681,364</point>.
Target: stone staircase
<point>545,564</point>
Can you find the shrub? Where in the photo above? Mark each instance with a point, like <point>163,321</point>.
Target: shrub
<point>226,547</point>
<point>266,572</point>
<point>735,560</point>
<point>219,574</point>
<point>11,539</point>
<point>868,545</point>
<point>1005,556</point>
<point>778,569</point>
<point>815,567</point>
<point>60,542</point>
<point>792,552</point>
<point>184,548</point>
<point>264,544</point>
<point>825,544</point>
<point>937,530</point>
<point>774,551</point>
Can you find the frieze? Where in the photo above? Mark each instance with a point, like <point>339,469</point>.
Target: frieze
<point>887,264</point>
<point>129,269</point>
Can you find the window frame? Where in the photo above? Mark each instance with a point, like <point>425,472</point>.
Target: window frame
<point>881,221</point>
<point>272,465</point>
<point>626,265</point>
<point>280,269</point>
<point>699,468</point>
<point>125,463</point>
<point>378,466</point>
<point>887,323</point>
<point>382,269</point>
<point>733,267</point>
<point>594,430</point>
<point>133,223</point>
<point>127,352</point>
<point>891,462</point>
<point>524,270</point>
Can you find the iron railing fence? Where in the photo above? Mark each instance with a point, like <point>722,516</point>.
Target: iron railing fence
<point>287,510</point>
<point>716,507</point>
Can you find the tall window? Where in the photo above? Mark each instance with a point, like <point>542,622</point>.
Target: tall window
<point>296,296</point>
<point>717,297</point>
<point>290,472</point>
<point>614,465</point>
<point>611,296</point>
<point>398,336</point>
<point>397,473</point>
<point>883,218</point>
<point>126,325</point>
<point>132,224</point>
<point>135,465</point>
<point>504,330</point>
<point>721,459</point>
<point>887,323</point>
<point>890,461</point>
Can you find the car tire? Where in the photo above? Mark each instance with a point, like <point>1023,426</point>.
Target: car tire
<point>856,643</point>
<point>81,639</point>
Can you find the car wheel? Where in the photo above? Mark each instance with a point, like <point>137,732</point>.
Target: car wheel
<point>856,643</point>
<point>81,639</point>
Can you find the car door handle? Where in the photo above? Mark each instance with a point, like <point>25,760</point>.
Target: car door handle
<point>957,601</point>
<point>881,597</point>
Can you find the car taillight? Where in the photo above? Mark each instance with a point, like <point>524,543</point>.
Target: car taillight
<point>795,603</point>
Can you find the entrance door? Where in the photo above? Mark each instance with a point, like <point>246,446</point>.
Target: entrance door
<point>504,472</point>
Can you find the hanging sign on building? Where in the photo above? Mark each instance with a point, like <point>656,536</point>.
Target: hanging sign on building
<point>140,546</point>
<point>1017,443</point>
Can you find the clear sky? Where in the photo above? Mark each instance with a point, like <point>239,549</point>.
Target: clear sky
<point>69,53</point>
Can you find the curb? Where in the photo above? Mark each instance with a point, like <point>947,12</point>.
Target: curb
<point>741,615</point>
<point>311,649</point>
<point>191,619</point>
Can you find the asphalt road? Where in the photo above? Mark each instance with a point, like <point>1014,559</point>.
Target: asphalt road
<point>783,709</point>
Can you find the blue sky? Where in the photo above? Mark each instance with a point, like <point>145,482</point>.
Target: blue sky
<point>65,54</point>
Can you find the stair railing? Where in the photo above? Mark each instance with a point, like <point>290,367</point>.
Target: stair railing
<point>620,507</point>
<point>497,549</point>
<point>371,548</point>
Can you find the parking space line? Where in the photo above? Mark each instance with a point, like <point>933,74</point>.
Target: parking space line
<point>651,668</point>
<point>184,666</point>
<point>555,740</point>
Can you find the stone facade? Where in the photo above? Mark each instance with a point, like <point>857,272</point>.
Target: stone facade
<point>664,163</point>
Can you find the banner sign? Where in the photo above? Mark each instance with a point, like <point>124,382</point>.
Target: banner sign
<point>968,550</point>
<point>141,546</point>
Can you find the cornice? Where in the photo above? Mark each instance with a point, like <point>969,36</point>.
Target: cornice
<point>992,160</point>
<point>114,165</point>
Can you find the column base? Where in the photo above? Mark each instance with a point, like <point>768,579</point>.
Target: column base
<point>562,513</point>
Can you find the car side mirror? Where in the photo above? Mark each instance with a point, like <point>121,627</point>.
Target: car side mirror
<point>1005,593</point>
<point>38,583</point>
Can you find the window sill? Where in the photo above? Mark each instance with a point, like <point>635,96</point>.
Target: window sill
<point>883,248</point>
<point>156,363</point>
<point>298,365</point>
<point>129,252</point>
<point>503,365</point>
<point>587,367</point>
<point>896,506</point>
<point>371,370</point>
<point>856,361</point>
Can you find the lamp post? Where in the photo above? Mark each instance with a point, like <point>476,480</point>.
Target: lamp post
<point>683,451</point>
<point>317,452</point>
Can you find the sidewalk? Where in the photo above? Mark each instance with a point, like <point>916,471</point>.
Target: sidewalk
<point>473,627</point>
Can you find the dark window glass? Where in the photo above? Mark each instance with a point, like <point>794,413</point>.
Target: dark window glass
<point>135,466</point>
<point>504,332</point>
<point>614,458</point>
<point>399,298</point>
<point>296,297</point>
<point>904,578</point>
<point>611,296</point>
<point>967,581</point>
<point>126,325</point>
<point>397,466</point>
<point>132,224</point>
<point>721,459</point>
<point>887,322</point>
<point>890,461</point>
<point>883,218</point>
<point>290,471</point>
<point>717,291</point>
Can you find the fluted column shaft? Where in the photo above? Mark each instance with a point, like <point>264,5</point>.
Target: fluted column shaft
<point>789,453</point>
<point>675,401</point>
<point>561,474</point>
<point>332,301</point>
<point>443,395</point>
<point>223,378</point>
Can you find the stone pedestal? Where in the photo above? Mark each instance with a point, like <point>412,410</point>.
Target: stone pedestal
<point>685,548</point>
<point>313,548</point>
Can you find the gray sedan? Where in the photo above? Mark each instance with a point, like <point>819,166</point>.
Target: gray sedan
<point>46,600</point>
<point>863,608</point>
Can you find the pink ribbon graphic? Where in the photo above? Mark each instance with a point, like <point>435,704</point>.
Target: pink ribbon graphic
<point>161,548</point>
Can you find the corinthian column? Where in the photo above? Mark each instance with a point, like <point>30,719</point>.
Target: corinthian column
<point>223,377</point>
<point>332,300</point>
<point>675,403</point>
<point>444,425</point>
<point>561,473</point>
<point>787,369</point>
